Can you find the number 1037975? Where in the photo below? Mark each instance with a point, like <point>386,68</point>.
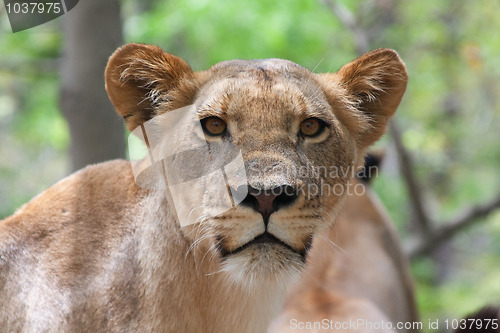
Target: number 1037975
<point>471,324</point>
<point>33,7</point>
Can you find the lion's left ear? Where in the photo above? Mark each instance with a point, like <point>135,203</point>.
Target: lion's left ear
<point>372,86</point>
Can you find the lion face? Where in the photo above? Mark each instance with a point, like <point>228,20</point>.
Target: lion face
<point>265,107</point>
<point>300,137</point>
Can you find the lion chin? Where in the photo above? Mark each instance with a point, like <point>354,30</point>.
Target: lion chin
<point>258,262</point>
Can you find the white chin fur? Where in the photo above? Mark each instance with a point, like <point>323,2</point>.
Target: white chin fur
<point>263,263</point>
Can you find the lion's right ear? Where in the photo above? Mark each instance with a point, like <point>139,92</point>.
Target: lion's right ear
<point>140,77</point>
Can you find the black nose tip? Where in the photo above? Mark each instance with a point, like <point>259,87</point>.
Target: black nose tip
<point>267,202</point>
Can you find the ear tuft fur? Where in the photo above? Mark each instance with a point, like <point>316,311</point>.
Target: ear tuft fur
<point>143,80</point>
<point>371,88</point>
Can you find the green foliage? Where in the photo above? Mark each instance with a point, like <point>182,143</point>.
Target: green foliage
<point>392,192</point>
<point>205,32</point>
<point>34,136</point>
<point>463,293</point>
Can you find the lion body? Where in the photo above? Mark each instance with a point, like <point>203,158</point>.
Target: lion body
<point>96,252</point>
<point>102,258</point>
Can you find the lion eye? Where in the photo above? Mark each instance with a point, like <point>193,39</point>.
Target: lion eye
<point>311,127</point>
<point>213,126</point>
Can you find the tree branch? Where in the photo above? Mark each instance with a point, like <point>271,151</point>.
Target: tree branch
<point>347,18</point>
<point>422,220</point>
<point>447,230</point>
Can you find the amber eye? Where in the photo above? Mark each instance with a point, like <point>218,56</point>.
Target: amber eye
<point>213,126</point>
<point>311,127</point>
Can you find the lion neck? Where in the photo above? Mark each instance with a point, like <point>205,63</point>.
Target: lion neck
<point>184,293</point>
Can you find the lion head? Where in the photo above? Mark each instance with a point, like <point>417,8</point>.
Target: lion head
<point>299,138</point>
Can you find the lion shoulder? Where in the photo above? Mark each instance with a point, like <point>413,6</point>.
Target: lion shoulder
<point>83,207</point>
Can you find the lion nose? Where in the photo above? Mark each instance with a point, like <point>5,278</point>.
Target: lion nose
<point>267,202</point>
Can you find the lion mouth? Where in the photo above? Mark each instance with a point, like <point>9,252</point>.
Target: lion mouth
<point>265,238</point>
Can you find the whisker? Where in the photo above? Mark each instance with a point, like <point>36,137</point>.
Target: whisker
<point>195,208</point>
<point>319,63</point>
<point>216,272</point>
<point>211,249</point>
<point>196,243</point>
<point>333,245</point>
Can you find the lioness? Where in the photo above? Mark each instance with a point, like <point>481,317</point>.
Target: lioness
<point>97,252</point>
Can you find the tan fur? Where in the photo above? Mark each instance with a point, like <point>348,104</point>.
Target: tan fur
<point>95,252</point>
<point>356,270</point>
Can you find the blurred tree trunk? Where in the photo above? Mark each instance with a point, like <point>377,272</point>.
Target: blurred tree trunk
<point>92,31</point>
